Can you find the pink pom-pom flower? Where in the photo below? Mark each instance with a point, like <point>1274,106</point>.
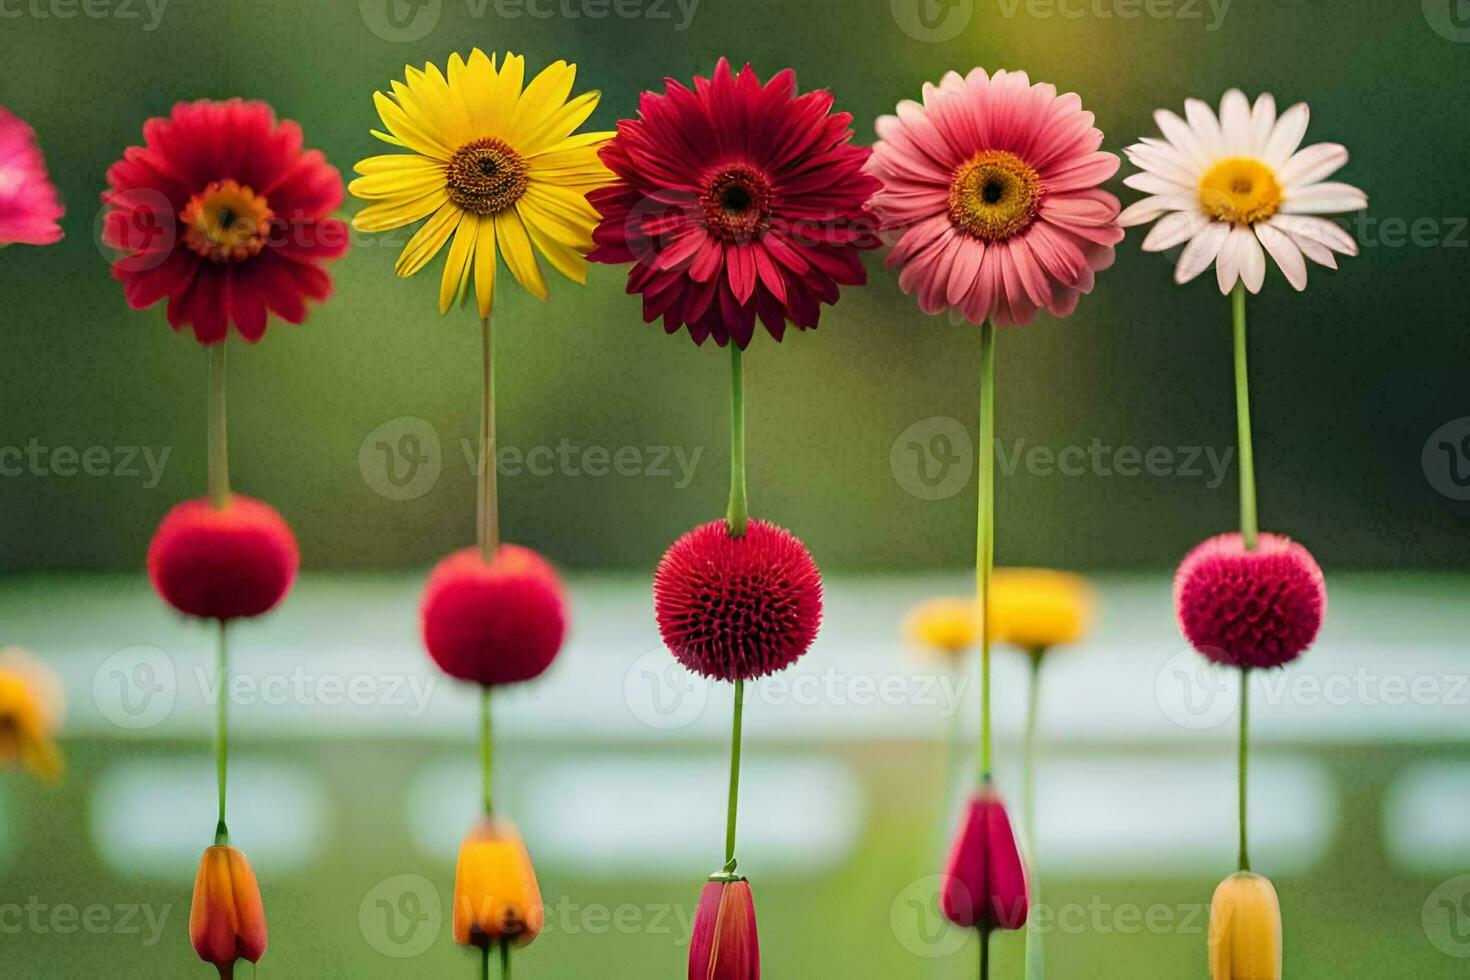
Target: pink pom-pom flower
<point>737,608</point>
<point>1259,608</point>
<point>29,207</point>
<point>223,562</point>
<point>496,622</point>
<point>985,880</point>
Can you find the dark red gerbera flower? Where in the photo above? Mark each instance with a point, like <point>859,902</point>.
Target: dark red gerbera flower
<point>222,213</point>
<point>735,199</point>
<point>1259,608</point>
<point>737,608</point>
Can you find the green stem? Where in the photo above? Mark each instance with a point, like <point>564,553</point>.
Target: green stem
<point>1028,785</point>
<point>485,962</point>
<point>505,959</point>
<point>984,954</point>
<point>734,802</point>
<point>488,509</point>
<point>221,738</point>
<point>738,513</point>
<point>1244,758</point>
<point>985,531</point>
<point>486,753</point>
<point>1248,529</point>
<point>219,454</point>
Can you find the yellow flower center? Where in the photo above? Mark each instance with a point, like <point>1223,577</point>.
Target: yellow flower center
<point>227,222</point>
<point>486,176</point>
<point>737,203</point>
<point>994,195</point>
<point>1239,190</point>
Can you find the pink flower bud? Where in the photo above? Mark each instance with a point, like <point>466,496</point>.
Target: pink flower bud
<point>985,881</point>
<point>724,945</point>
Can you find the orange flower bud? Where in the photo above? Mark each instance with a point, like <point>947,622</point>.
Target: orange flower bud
<point>227,920</point>
<point>1245,929</point>
<point>496,898</point>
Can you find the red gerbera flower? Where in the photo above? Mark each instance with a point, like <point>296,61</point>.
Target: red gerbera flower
<point>735,199</point>
<point>222,212</point>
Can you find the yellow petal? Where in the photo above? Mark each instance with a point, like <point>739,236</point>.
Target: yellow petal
<point>542,98</point>
<point>558,124</point>
<point>579,141</point>
<point>501,99</point>
<point>515,245</point>
<point>395,214</point>
<point>457,266</point>
<point>477,84</point>
<point>485,267</point>
<point>397,184</point>
<point>568,261</point>
<point>397,163</point>
<point>428,240</point>
<point>409,131</point>
<point>569,225</point>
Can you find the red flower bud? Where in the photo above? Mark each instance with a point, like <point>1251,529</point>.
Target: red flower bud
<point>222,562</point>
<point>985,882</point>
<point>226,920</point>
<point>496,622</point>
<point>724,945</point>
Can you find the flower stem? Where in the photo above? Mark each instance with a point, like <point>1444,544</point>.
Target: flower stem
<point>1248,529</point>
<point>985,531</point>
<point>738,513</point>
<point>984,954</point>
<point>1028,786</point>
<point>487,796</point>
<point>221,738</point>
<point>485,962</point>
<point>1244,756</point>
<point>488,511</point>
<point>505,959</point>
<point>219,454</point>
<point>734,803</point>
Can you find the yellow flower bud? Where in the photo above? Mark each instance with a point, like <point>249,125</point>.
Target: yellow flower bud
<point>1245,929</point>
<point>948,626</point>
<point>496,898</point>
<point>30,713</point>
<point>1035,608</point>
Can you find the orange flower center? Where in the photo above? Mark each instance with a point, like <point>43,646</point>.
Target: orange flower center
<point>737,203</point>
<point>227,222</point>
<point>486,176</point>
<point>994,195</point>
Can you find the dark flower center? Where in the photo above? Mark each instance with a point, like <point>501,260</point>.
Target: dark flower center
<point>737,203</point>
<point>485,177</point>
<point>994,195</point>
<point>226,222</point>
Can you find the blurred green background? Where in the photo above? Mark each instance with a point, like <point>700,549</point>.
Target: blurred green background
<point>1351,380</point>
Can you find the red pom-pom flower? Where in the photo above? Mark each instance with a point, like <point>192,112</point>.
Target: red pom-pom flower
<point>1259,608</point>
<point>223,562</point>
<point>985,881</point>
<point>737,608</point>
<point>735,200</point>
<point>724,944</point>
<point>222,213</point>
<point>499,622</point>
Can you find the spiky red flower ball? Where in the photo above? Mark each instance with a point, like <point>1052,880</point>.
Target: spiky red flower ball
<point>223,562</point>
<point>1258,608</point>
<point>499,622</point>
<point>737,608</point>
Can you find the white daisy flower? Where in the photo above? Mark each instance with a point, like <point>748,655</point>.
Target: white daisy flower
<point>1235,187</point>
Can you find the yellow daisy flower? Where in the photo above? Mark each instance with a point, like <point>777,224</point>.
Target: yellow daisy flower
<point>1034,608</point>
<point>30,713</point>
<point>495,168</point>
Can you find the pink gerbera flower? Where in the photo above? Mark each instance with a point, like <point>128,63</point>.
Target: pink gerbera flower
<point>222,213</point>
<point>29,207</point>
<point>735,199</point>
<point>992,188</point>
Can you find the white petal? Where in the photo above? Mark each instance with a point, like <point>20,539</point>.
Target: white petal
<point>1286,255</point>
<point>1165,161</point>
<point>1263,120</point>
<point>1143,211</point>
<point>1311,164</point>
<point>1286,136</point>
<point>1227,263</point>
<point>1206,128</point>
<point>1181,137</point>
<point>1251,260</point>
<point>1173,229</point>
<point>1200,251</point>
<point>1318,230</point>
<point>1328,198</point>
<point>1151,183</point>
<point>1311,247</point>
<point>1235,122</point>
